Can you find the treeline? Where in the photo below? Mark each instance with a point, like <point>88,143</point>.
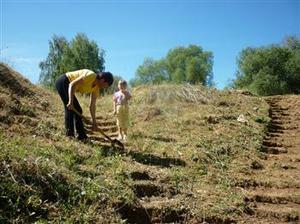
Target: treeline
<point>182,64</point>
<point>267,70</point>
<point>270,70</point>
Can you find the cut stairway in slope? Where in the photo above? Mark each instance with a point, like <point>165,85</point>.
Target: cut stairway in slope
<point>274,195</point>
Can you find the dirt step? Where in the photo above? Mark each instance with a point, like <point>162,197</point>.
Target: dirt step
<point>275,127</point>
<point>157,210</point>
<point>278,113</point>
<point>273,135</point>
<point>276,139</point>
<point>271,143</point>
<point>275,130</point>
<point>140,175</point>
<point>102,118</point>
<point>252,183</point>
<point>109,128</point>
<point>273,150</point>
<point>283,212</point>
<point>156,160</point>
<point>113,128</point>
<point>99,139</point>
<point>278,122</point>
<point>98,135</point>
<point>251,219</point>
<point>286,165</point>
<point>148,189</point>
<point>112,134</point>
<point>164,210</point>
<point>274,195</point>
<point>106,123</point>
<point>101,123</point>
<point>280,118</point>
<point>278,109</point>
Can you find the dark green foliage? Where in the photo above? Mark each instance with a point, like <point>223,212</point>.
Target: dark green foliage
<point>182,65</point>
<point>154,72</point>
<point>52,67</point>
<point>270,70</point>
<point>64,56</point>
<point>191,64</point>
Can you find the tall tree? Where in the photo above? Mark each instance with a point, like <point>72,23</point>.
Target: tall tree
<point>84,53</point>
<point>67,56</point>
<point>190,64</point>
<point>52,67</point>
<point>151,71</point>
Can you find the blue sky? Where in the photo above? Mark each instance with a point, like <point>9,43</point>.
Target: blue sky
<point>131,30</point>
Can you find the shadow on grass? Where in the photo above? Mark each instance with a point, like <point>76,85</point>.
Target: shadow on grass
<point>154,160</point>
<point>145,158</point>
<point>156,138</point>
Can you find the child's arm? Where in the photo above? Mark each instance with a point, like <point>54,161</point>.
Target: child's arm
<point>128,95</point>
<point>114,105</point>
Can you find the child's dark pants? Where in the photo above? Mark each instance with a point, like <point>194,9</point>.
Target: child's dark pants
<point>62,86</point>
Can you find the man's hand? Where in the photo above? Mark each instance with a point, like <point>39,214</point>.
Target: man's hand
<point>94,127</point>
<point>70,106</point>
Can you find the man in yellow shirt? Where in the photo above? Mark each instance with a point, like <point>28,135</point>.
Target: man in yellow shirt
<point>83,81</point>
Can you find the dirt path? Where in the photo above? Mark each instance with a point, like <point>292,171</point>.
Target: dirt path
<point>273,190</point>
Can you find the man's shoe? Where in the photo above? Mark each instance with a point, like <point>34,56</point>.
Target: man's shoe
<point>83,138</point>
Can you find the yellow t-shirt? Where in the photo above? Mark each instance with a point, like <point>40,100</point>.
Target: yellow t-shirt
<point>88,79</point>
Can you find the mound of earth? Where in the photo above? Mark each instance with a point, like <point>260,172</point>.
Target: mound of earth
<point>22,104</point>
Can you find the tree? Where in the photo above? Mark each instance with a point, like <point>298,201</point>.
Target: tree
<point>270,70</point>
<point>190,64</point>
<point>292,42</point>
<point>151,71</point>
<point>52,67</point>
<point>84,53</point>
<point>64,56</point>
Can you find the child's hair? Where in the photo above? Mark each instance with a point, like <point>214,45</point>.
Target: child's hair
<point>107,76</point>
<point>123,83</point>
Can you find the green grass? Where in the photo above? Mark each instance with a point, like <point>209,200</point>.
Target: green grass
<point>188,136</point>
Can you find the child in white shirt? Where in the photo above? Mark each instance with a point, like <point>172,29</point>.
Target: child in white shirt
<point>121,109</point>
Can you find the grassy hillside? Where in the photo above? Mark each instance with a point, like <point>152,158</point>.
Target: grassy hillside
<point>189,149</point>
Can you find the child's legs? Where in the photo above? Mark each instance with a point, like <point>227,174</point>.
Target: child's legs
<point>120,134</point>
<point>125,120</point>
<point>122,120</point>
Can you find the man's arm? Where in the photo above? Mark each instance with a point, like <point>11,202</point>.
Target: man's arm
<point>72,87</point>
<point>94,96</point>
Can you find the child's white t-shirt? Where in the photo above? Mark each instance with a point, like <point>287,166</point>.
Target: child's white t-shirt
<point>120,98</point>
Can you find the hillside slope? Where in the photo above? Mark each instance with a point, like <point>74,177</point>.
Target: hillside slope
<point>187,152</point>
<point>22,104</point>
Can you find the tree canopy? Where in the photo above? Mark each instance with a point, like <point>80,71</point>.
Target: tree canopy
<point>67,56</point>
<point>270,70</point>
<point>182,64</point>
